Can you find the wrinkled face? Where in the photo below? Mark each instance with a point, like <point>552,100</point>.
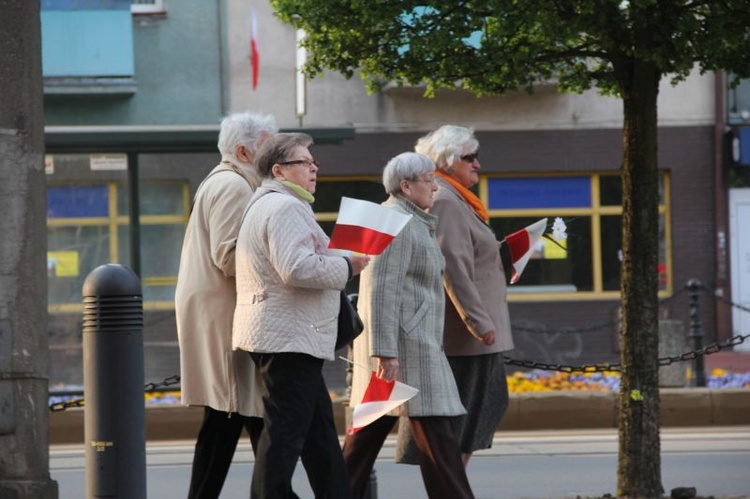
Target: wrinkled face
<point>420,191</point>
<point>465,169</point>
<point>300,168</point>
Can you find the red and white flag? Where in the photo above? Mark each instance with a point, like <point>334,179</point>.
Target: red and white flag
<point>380,398</point>
<point>366,227</point>
<point>254,55</point>
<point>521,245</point>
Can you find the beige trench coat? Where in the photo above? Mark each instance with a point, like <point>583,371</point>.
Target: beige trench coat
<point>401,303</point>
<point>474,280</point>
<point>211,373</point>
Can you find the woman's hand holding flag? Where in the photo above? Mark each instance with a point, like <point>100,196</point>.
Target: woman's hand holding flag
<point>381,397</point>
<point>387,368</point>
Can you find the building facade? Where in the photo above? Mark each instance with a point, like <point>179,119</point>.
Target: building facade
<point>543,155</point>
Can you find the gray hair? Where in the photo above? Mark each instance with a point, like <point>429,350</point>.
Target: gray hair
<point>405,166</point>
<point>445,145</point>
<point>277,148</point>
<point>244,129</point>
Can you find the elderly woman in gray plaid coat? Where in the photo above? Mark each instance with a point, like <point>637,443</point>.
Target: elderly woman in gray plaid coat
<point>402,305</point>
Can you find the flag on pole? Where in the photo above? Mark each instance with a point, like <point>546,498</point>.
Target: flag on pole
<point>380,398</point>
<point>366,227</point>
<point>521,245</point>
<point>254,55</point>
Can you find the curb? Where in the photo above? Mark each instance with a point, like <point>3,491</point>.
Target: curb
<point>561,410</point>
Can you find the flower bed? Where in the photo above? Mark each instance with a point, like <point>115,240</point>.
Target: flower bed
<point>546,381</point>
<point>518,382</point>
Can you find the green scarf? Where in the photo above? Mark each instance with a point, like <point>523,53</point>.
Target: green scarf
<point>299,191</point>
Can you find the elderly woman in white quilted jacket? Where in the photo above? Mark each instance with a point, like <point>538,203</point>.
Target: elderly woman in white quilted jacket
<point>402,303</point>
<point>288,289</point>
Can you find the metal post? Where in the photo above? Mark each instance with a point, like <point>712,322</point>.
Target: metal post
<point>134,212</point>
<point>698,376</point>
<point>114,415</point>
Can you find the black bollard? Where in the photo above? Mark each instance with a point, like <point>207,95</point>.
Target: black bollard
<point>114,414</point>
<point>698,377</point>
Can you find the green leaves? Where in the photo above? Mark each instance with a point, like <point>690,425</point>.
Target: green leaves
<point>491,46</point>
<point>636,396</point>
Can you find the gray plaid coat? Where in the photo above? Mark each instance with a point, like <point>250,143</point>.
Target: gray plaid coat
<point>401,302</point>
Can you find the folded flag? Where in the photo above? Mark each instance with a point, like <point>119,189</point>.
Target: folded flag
<point>521,245</point>
<point>380,398</point>
<point>366,227</point>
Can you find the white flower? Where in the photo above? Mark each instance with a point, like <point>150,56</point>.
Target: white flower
<point>558,230</point>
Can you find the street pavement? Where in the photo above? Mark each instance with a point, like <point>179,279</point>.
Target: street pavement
<point>520,465</point>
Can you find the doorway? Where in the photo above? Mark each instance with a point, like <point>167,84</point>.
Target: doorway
<point>739,244</point>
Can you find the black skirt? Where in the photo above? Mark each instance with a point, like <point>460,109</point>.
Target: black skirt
<point>483,389</point>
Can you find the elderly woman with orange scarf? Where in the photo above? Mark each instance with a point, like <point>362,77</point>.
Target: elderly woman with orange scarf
<point>477,323</point>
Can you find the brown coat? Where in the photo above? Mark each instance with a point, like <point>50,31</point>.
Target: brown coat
<point>474,280</point>
<point>211,373</point>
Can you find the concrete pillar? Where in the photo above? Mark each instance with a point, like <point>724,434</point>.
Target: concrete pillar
<point>672,341</point>
<point>24,429</point>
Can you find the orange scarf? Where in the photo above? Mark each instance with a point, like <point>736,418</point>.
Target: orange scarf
<point>469,197</point>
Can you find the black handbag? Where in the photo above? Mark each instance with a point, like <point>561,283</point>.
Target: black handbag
<point>350,324</point>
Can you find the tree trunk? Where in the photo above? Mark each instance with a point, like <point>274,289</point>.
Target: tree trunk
<point>639,462</point>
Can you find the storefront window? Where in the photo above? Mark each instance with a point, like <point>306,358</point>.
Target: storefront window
<point>88,226</point>
<point>555,266</point>
<point>587,264</point>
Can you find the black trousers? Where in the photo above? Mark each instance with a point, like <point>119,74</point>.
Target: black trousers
<point>443,471</point>
<point>298,418</point>
<point>214,450</point>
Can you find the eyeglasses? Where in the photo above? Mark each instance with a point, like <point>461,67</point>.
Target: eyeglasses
<point>429,180</point>
<point>470,158</point>
<point>306,162</point>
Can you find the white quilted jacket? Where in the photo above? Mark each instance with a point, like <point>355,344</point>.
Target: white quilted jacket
<point>288,283</point>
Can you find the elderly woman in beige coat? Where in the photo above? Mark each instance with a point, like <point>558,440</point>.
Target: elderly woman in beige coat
<point>401,302</point>
<point>214,377</point>
<point>288,289</point>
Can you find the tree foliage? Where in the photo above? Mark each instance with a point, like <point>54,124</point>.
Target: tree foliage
<point>491,46</point>
<point>622,48</point>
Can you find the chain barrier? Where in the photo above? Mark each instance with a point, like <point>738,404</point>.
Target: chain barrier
<point>148,387</point>
<point>565,368</point>
<point>616,366</point>
<point>586,329</point>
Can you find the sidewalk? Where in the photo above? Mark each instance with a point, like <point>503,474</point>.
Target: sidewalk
<point>559,464</point>
<point>562,410</point>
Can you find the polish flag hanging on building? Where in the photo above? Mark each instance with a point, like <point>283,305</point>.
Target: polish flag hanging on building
<point>366,227</point>
<point>254,55</point>
<point>380,398</point>
<point>521,245</point>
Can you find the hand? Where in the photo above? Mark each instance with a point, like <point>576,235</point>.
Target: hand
<point>488,338</point>
<point>359,262</point>
<point>387,368</point>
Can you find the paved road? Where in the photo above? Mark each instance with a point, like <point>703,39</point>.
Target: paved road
<point>528,465</point>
